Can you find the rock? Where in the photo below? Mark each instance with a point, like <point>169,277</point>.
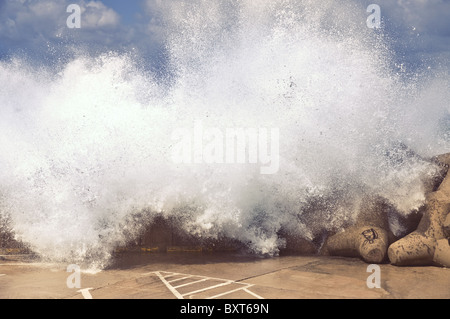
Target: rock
<point>419,247</point>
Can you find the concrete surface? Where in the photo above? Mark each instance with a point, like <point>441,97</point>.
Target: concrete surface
<point>229,276</point>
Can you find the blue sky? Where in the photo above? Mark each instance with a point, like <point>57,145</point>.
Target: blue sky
<point>126,9</point>
<point>420,29</point>
<point>37,28</point>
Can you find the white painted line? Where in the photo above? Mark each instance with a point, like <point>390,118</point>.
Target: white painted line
<point>85,292</point>
<point>172,290</point>
<point>252,293</point>
<point>179,274</point>
<point>171,274</point>
<point>207,288</point>
<point>227,292</point>
<point>224,282</point>
<point>191,283</point>
<point>180,278</point>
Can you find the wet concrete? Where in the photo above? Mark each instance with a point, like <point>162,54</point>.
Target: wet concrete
<point>230,276</point>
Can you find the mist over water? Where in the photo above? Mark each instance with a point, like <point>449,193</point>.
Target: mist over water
<point>86,146</point>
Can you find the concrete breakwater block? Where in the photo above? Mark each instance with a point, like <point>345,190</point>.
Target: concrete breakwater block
<point>416,248</point>
<point>412,250</point>
<point>446,226</point>
<point>369,238</point>
<point>442,253</point>
<point>420,247</point>
<point>427,244</point>
<point>369,243</point>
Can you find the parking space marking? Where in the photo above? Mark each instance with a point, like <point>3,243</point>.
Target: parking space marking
<point>168,285</point>
<point>252,293</point>
<point>179,279</point>
<point>163,275</point>
<point>227,293</point>
<point>207,288</point>
<point>85,292</point>
<point>190,283</point>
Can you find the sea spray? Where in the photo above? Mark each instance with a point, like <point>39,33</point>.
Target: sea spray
<point>86,151</point>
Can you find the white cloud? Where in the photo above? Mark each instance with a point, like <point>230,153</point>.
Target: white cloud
<point>27,19</point>
<point>37,26</point>
<point>96,15</point>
